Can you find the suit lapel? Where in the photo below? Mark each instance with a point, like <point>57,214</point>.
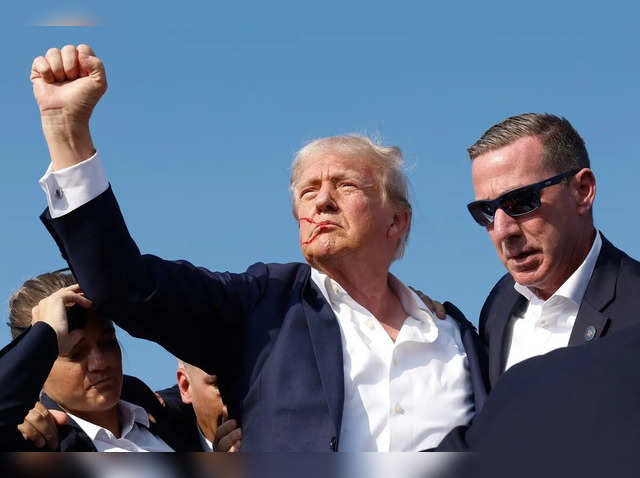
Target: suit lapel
<point>71,436</point>
<point>503,311</point>
<point>327,348</point>
<point>590,321</point>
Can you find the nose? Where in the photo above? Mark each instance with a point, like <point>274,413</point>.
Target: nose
<point>325,201</point>
<point>504,226</point>
<point>96,360</point>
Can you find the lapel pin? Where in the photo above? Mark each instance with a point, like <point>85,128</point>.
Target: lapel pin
<point>589,333</point>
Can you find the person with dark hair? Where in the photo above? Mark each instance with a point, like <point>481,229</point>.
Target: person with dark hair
<point>566,283</point>
<point>66,360</point>
<point>555,383</point>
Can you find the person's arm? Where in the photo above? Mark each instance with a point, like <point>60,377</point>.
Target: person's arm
<point>26,362</point>
<point>182,307</point>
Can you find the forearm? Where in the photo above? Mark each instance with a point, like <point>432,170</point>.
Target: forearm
<point>24,366</point>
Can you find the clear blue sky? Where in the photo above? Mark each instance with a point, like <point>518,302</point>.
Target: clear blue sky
<point>207,104</point>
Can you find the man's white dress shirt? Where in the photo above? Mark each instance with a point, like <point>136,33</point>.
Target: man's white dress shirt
<point>402,396</point>
<point>134,432</point>
<point>545,325</point>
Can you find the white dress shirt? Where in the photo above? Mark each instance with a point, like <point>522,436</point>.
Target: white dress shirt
<point>545,325</point>
<point>402,396</point>
<point>134,432</point>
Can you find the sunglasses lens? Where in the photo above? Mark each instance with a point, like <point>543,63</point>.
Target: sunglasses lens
<point>520,202</point>
<point>482,212</point>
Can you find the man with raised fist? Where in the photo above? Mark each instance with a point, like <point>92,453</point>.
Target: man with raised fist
<point>334,354</point>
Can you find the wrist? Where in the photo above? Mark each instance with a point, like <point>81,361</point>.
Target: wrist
<point>68,139</point>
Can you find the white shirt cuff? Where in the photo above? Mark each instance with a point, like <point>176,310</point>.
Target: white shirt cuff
<point>69,188</point>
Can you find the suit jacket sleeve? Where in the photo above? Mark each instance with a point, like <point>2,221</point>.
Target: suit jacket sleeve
<point>182,307</point>
<point>24,366</point>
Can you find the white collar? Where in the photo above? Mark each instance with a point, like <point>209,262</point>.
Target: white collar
<point>576,285</point>
<point>129,414</point>
<point>334,293</point>
<point>204,441</point>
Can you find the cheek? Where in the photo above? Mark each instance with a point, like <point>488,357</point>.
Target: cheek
<point>65,381</point>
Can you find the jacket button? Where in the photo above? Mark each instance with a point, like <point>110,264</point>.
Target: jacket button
<point>333,443</point>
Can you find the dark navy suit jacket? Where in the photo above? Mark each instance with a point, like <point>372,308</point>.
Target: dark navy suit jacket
<point>25,364</point>
<point>582,397</point>
<point>268,333</point>
<point>610,303</point>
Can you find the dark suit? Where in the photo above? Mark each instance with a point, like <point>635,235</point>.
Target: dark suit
<point>24,366</point>
<point>582,397</point>
<point>610,303</point>
<point>580,403</point>
<point>268,334</point>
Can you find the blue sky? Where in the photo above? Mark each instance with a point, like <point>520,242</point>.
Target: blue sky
<point>207,103</point>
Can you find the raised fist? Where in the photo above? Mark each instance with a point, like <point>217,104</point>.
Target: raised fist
<point>68,82</point>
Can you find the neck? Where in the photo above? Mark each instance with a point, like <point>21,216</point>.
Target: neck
<point>367,282</point>
<point>108,419</point>
<point>208,429</point>
<point>575,258</point>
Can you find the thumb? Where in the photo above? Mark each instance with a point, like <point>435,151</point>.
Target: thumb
<point>59,417</point>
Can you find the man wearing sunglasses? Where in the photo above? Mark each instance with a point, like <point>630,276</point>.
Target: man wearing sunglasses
<point>566,283</point>
<point>554,387</point>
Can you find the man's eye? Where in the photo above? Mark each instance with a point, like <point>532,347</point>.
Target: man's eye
<point>347,186</point>
<point>306,192</point>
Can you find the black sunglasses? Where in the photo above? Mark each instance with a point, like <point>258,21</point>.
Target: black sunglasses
<point>517,202</point>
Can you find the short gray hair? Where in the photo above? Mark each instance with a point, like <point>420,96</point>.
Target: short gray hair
<point>393,180</point>
<point>564,149</point>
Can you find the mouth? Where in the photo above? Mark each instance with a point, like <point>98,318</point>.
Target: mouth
<point>103,382</point>
<point>522,258</point>
<point>320,227</point>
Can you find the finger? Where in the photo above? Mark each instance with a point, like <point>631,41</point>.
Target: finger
<point>85,50</point>
<point>40,68</point>
<point>72,298</point>
<point>70,62</point>
<point>60,417</point>
<point>441,312</point>
<point>160,399</point>
<point>54,58</point>
<point>45,424</point>
<point>30,433</point>
<point>90,65</point>
<point>225,443</point>
<point>226,428</point>
<point>235,447</point>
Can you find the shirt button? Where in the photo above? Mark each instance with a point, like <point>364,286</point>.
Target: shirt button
<point>370,324</point>
<point>399,410</point>
<point>395,362</point>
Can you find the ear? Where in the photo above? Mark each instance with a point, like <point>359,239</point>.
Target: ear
<point>184,386</point>
<point>401,220</point>
<point>584,188</point>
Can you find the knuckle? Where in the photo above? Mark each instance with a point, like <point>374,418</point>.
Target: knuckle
<point>52,51</point>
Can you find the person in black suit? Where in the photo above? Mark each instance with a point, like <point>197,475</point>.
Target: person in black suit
<point>67,359</point>
<point>335,354</point>
<point>566,283</point>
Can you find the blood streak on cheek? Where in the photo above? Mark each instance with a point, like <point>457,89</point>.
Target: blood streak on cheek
<point>317,232</point>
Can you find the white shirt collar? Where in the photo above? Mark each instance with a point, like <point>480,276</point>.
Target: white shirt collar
<point>204,441</point>
<point>576,285</point>
<point>129,415</point>
<point>334,293</point>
